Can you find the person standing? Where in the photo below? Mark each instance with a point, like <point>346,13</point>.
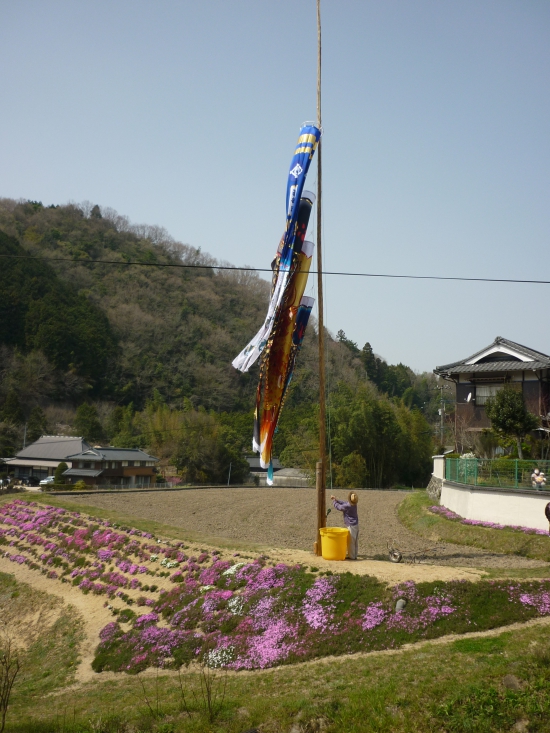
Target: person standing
<point>351,520</point>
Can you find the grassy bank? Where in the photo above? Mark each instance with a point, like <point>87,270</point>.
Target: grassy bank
<point>413,512</point>
<point>482,684</point>
<point>51,634</point>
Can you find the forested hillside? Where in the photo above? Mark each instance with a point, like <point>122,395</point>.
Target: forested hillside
<point>135,354</point>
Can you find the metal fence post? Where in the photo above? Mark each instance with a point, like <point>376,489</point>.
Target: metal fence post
<point>516,474</point>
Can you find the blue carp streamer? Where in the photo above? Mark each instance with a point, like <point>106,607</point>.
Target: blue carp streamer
<point>285,259</point>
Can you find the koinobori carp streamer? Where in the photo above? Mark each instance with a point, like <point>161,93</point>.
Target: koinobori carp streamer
<point>278,341</point>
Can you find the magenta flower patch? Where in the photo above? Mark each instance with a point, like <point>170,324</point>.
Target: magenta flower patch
<point>448,514</point>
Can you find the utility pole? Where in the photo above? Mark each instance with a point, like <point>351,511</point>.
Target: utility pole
<point>320,473</point>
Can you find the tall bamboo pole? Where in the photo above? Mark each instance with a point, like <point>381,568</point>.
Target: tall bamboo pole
<point>320,474</point>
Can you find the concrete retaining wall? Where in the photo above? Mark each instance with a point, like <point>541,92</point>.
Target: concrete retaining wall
<point>505,506</point>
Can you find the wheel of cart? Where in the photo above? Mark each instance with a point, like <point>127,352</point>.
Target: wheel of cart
<point>399,554</point>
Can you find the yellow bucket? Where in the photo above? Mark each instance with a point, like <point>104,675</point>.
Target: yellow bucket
<point>334,543</point>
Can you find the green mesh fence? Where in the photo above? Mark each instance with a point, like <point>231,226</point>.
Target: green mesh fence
<point>498,472</point>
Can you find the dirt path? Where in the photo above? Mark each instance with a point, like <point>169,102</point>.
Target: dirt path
<point>285,518</point>
<point>89,607</point>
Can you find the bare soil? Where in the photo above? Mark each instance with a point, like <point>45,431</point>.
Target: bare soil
<point>285,519</point>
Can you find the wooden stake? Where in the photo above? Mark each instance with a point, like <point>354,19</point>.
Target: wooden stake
<point>320,474</point>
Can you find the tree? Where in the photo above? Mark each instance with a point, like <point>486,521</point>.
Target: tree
<point>11,409</point>
<point>87,423</point>
<point>509,416</point>
<point>371,363</point>
<point>10,439</point>
<point>37,424</point>
<point>351,345</point>
<point>9,669</point>
<point>352,472</point>
<point>58,476</point>
<point>123,429</point>
<point>206,450</point>
<point>38,311</point>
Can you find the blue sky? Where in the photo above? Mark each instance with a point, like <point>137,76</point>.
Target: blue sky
<point>185,114</point>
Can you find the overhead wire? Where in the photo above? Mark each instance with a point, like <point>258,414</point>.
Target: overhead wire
<point>182,265</point>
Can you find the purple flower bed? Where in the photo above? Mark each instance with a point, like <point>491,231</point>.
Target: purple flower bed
<point>259,616</point>
<point>94,555</point>
<point>448,514</point>
<point>237,614</point>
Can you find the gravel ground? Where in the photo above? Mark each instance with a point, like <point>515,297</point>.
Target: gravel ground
<point>285,518</point>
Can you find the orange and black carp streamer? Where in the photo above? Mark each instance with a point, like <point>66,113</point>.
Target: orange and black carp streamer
<point>278,341</point>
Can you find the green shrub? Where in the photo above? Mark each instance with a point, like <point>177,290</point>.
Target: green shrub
<point>126,615</point>
<point>58,475</point>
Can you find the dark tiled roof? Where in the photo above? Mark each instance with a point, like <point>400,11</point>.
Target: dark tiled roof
<point>90,473</point>
<point>53,447</point>
<point>112,454</point>
<point>498,366</point>
<point>541,360</point>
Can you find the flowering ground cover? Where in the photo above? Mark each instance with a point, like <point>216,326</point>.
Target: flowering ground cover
<point>448,514</point>
<point>242,614</point>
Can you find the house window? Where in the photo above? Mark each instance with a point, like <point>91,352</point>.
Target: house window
<point>485,392</point>
<point>124,463</point>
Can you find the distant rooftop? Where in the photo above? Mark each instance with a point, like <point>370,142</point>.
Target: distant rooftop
<point>53,447</point>
<point>254,463</point>
<point>112,454</point>
<point>502,355</point>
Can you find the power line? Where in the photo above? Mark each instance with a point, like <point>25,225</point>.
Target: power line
<point>182,265</point>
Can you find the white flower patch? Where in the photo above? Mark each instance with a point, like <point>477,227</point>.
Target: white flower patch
<point>204,588</point>
<point>233,569</point>
<point>166,563</point>
<point>154,558</point>
<point>235,605</point>
<point>220,657</point>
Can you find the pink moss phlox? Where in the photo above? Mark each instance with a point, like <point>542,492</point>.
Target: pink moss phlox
<point>407,590</point>
<point>146,620</point>
<point>270,647</point>
<point>539,601</point>
<point>448,514</point>
<point>109,631</point>
<point>374,616</point>
<point>211,575</point>
<point>19,559</point>
<point>259,578</point>
<point>317,607</point>
<point>213,599</point>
